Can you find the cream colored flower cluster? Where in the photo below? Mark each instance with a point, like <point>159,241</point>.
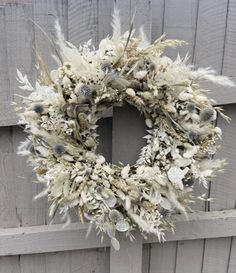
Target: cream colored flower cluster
<point>60,117</point>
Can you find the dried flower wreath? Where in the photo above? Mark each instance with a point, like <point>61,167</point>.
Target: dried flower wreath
<point>60,117</point>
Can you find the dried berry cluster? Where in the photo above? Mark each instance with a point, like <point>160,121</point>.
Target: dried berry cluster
<point>60,117</point>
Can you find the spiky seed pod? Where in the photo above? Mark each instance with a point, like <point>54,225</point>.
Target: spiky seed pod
<point>208,114</point>
<point>191,107</point>
<point>194,136</point>
<point>59,149</point>
<point>115,216</point>
<point>38,108</point>
<point>152,67</point>
<point>85,90</point>
<point>106,67</point>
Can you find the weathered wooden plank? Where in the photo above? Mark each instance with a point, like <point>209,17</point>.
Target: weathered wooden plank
<point>8,213</point>
<point>146,258</point>
<point>66,261</point>
<point>105,138</point>
<point>163,258</point>
<point>45,14</point>
<point>83,21</point>
<point>210,44</point>
<point>157,9</point>
<point>18,54</point>
<point>216,255</point>
<point>29,212</point>
<point>40,239</point>
<point>128,129</point>
<point>180,19</point>
<point>223,191</point>
<point>9,264</point>
<point>129,258</point>
<point>128,125</point>
<point>4,78</point>
<point>189,256</point>
<point>125,13</point>
<point>232,258</point>
<point>105,10</point>
<point>143,17</point>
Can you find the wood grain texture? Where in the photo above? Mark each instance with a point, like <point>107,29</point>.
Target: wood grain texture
<point>66,262</point>
<point>127,135</point>
<point>128,129</point>
<point>157,10</point>
<point>180,19</point>
<point>163,258</point>
<point>18,54</point>
<point>83,21</point>
<point>105,138</point>
<point>223,191</point>
<point>129,258</point>
<point>210,47</point>
<point>51,238</point>
<point>45,15</point>
<point>143,15</point>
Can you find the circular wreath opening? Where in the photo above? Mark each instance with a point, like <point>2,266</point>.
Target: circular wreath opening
<point>61,113</point>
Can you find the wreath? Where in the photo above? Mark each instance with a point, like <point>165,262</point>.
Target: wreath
<point>60,117</point>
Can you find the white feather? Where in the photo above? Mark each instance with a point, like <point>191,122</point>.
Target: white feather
<point>210,75</point>
<point>116,25</point>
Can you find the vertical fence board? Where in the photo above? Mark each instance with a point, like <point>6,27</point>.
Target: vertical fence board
<point>8,213</point>
<point>128,130</point>
<point>29,212</point>
<point>157,9</point>
<point>82,21</point>
<point>19,38</point>
<point>45,14</point>
<point>143,16</point>
<point>163,258</point>
<point>189,256</point>
<point>232,259</point>
<point>105,10</point>
<point>180,23</point>
<point>4,77</point>
<point>217,251</point>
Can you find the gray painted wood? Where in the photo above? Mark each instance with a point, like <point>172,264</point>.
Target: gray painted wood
<point>66,262</point>
<point>224,197</point>
<point>163,258</point>
<point>127,135</point>
<point>128,130</point>
<point>180,19</point>
<point>45,14</point>
<point>82,21</point>
<point>157,9</point>
<point>18,54</point>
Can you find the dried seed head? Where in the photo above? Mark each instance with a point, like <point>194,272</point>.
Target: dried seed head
<point>106,67</point>
<point>59,149</point>
<point>208,114</point>
<point>115,216</point>
<point>85,90</point>
<point>38,108</point>
<point>152,66</point>
<point>190,107</point>
<point>194,136</point>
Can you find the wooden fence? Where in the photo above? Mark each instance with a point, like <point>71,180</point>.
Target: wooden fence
<point>204,244</point>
